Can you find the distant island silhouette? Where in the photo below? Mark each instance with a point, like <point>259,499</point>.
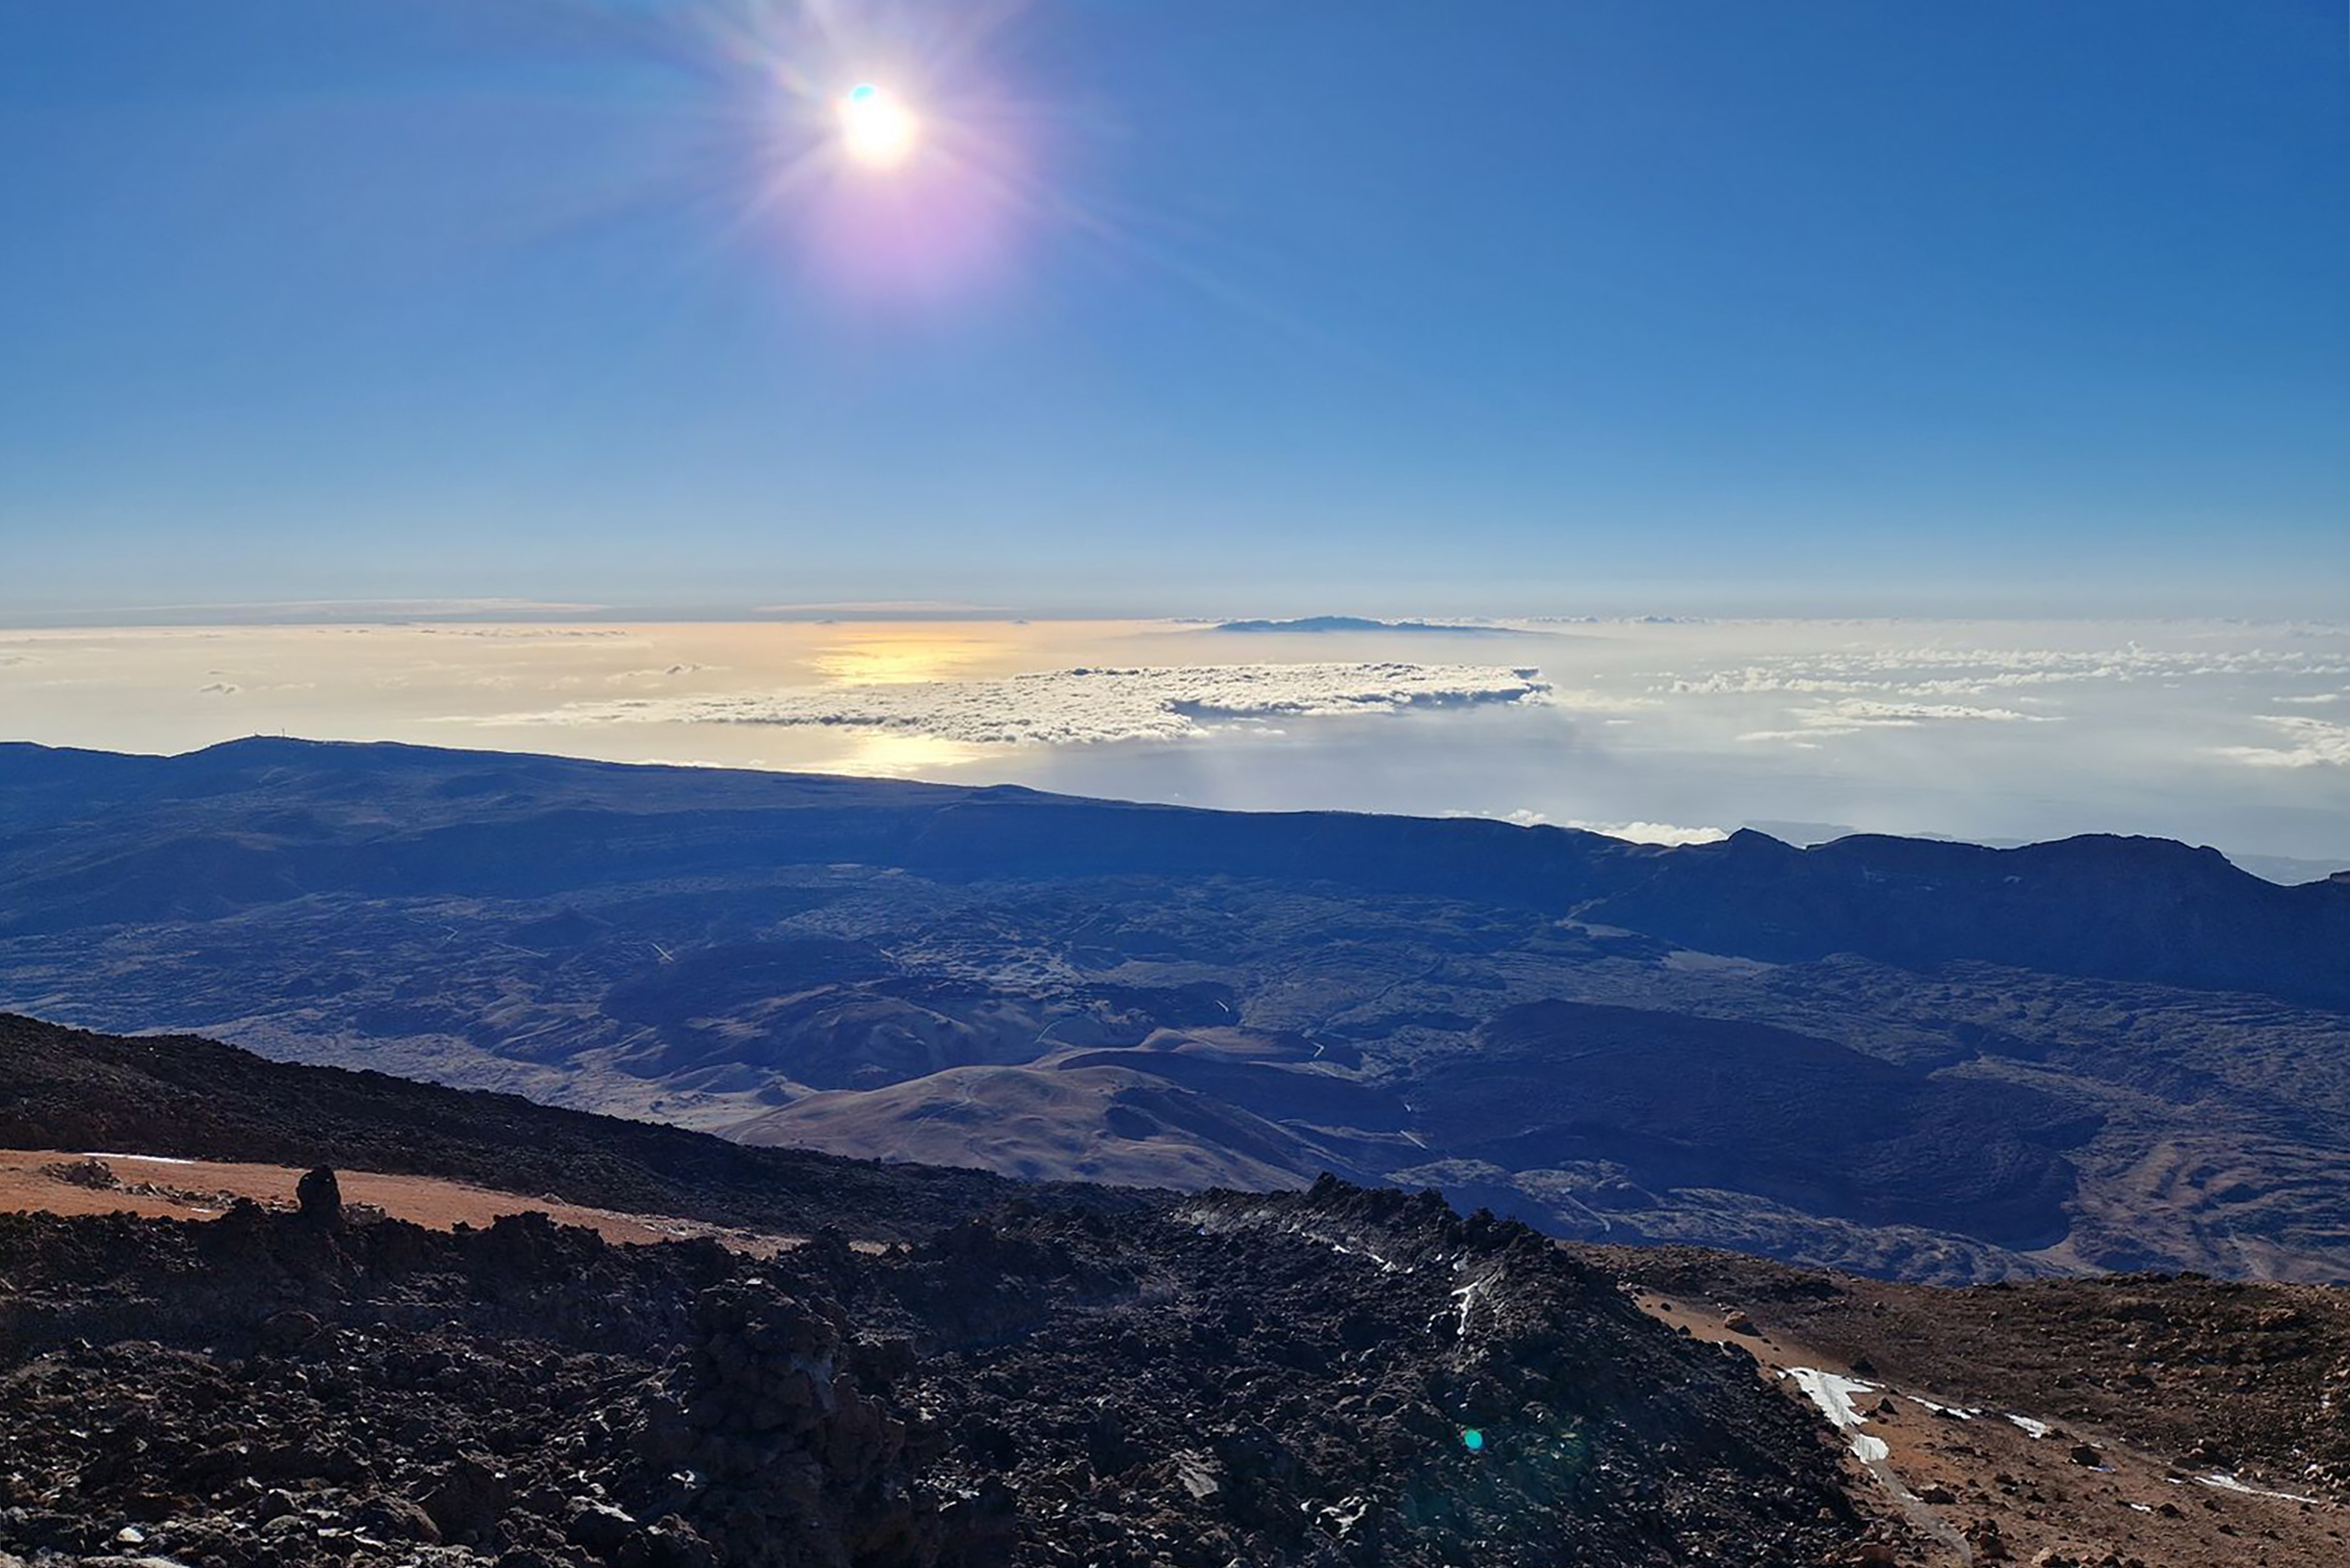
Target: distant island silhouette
<point>1364,623</point>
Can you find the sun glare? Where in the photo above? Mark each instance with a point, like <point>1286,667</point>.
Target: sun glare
<point>876,130</point>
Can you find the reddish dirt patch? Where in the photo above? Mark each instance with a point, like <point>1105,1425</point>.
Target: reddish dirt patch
<point>37,1180</point>
<point>1959,1467</point>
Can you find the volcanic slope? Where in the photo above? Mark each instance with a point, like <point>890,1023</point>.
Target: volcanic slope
<point>1335,1375</point>
<point>1911,1059</point>
<point>1330,1376</point>
<point>179,1096</point>
<point>2174,1420</point>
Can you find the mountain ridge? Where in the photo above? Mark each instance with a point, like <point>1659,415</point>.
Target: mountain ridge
<point>188,1097</point>
<point>1676,891</point>
<point>2131,1054</point>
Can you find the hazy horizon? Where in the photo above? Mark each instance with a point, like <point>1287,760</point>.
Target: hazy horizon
<point>2224,732</point>
<point>1917,420</point>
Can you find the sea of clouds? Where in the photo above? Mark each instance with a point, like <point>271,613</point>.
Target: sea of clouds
<point>2232,734</point>
<point>1084,706</point>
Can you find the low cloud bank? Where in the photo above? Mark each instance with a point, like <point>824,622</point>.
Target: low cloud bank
<point>1853,715</point>
<point>1919,672</point>
<point>1084,706</point>
<point>1635,832</point>
<point>2308,743</point>
<point>1651,832</point>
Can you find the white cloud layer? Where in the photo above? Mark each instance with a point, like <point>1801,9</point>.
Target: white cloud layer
<point>1584,699</point>
<point>1634,729</point>
<point>1853,715</point>
<point>1083,706</point>
<point>2310,743</point>
<point>1919,672</point>
<point>1634,832</point>
<point>1864,713</point>
<point>1652,832</point>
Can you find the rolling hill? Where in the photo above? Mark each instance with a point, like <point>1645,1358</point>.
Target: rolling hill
<point>1903,1056</point>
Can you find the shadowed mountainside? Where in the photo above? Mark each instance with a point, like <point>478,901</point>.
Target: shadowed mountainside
<point>501,824</point>
<point>190,1098</point>
<point>1902,1056</point>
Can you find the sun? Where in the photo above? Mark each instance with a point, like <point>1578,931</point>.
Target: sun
<point>876,130</point>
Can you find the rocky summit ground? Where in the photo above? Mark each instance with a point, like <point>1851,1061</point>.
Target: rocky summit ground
<point>1337,1376</point>
<point>2164,1420</point>
<point>531,1337</point>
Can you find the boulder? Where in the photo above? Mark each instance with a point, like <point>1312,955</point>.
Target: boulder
<point>321,1197</point>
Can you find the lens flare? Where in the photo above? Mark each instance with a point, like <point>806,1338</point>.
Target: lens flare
<point>876,130</point>
<point>1472,1439</point>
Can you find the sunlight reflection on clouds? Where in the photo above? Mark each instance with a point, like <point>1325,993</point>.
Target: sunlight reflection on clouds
<point>2212,732</point>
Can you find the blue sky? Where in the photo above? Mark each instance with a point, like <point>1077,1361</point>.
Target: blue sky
<point>1180,306</point>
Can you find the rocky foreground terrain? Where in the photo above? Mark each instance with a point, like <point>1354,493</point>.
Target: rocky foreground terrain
<point>238,1364</point>
<point>2220,1375</point>
<point>1335,1376</point>
<point>937,1368</point>
<point>2160,1419</point>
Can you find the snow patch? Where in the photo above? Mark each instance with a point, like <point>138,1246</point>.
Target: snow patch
<point>2033,1429</point>
<point>1833,1393</point>
<point>150,1158</point>
<point>2228,1484</point>
<point>1466,1295</point>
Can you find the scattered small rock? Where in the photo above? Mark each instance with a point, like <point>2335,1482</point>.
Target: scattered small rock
<point>95,1174</point>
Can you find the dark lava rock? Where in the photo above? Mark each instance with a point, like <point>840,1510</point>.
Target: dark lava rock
<point>397,1519</point>
<point>92,1173</point>
<point>321,1197</point>
<point>468,1499</point>
<point>1332,1377</point>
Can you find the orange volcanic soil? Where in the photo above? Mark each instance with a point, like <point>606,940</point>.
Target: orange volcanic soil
<point>33,1180</point>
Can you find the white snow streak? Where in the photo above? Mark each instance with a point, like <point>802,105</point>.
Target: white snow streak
<point>1833,1393</point>
<point>2228,1484</point>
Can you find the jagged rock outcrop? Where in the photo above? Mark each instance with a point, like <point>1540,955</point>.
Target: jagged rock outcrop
<point>1334,1377</point>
